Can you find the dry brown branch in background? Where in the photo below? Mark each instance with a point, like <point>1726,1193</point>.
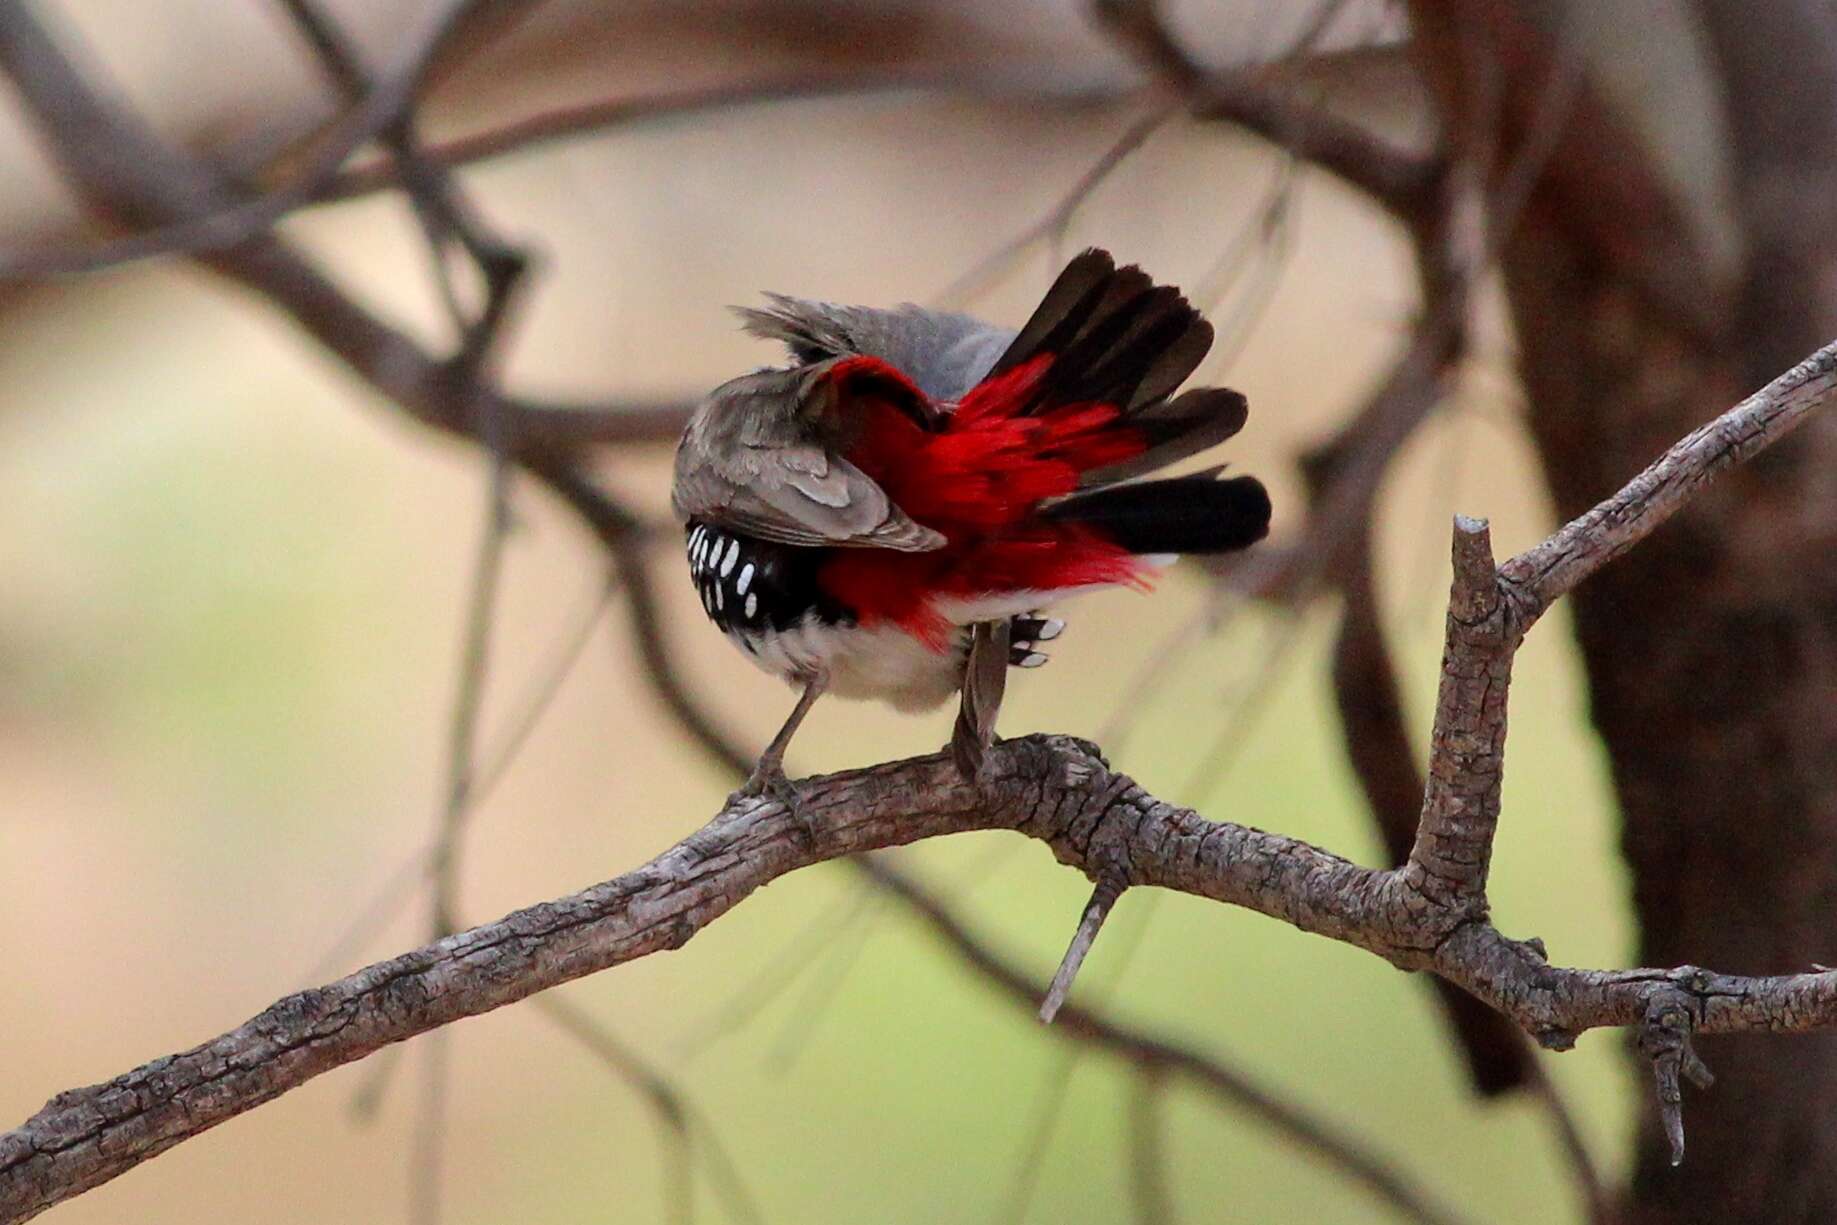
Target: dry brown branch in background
<point>1430,914</point>
<point>1509,133</point>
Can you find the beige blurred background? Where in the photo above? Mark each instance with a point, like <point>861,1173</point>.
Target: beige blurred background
<point>232,584</point>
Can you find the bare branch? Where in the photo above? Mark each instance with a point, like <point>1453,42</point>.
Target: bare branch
<point>1396,179</point>
<point>685,1130</point>
<point>1460,808</point>
<point>1154,1199</point>
<point>617,529</point>
<point>1540,575</point>
<point>1378,746</point>
<point>1431,914</point>
<point>225,227</point>
<point>1491,611</point>
<point>1345,1154</point>
<point>121,168</point>
<point>1052,226</point>
<point>1052,789</point>
<point>610,114</point>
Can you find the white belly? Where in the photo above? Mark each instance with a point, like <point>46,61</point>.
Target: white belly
<point>882,662</point>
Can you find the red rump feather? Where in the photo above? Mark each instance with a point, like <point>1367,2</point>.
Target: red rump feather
<point>978,479</point>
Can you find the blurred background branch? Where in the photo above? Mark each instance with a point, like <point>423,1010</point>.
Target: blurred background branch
<point>1625,203</point>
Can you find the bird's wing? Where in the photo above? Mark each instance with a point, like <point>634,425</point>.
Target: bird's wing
<point>754,459</point>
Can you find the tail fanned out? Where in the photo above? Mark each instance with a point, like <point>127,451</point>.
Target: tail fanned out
<point>1110,336</point>
<point>1113,337</point>
<point>1187,514</point>
<point>1024,479</point>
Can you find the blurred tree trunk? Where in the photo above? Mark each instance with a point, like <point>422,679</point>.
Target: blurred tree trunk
<point>1711,650</point>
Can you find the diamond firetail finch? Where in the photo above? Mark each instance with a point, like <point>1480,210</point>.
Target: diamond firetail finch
<point>886,515</point>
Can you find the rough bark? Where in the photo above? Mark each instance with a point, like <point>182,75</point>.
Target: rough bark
<point>1429,914</point>
<point>1711,651</point>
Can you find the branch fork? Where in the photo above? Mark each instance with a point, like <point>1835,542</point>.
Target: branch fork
<point>1430,914</point>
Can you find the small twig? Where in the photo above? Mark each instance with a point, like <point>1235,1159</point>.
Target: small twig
<point>1154,1199</point>
<point>1664,1038</point>
<point>599,117</point>
<point>1596,1202</point>
<point>778,973</point>
<point>1343,1153</point>
<point>1542,574</point>
<point>445,215</point>
<point>427,1158</point>
<point>841,952</point>
<point>121,169</point>
<point>683,1127</point>
<point>1110,885</point>
<point>236,223</point>
<point>1049,1109</point>
<point>1053,224</point>
<point>1398,180</point>
<point>468,698</point>
<point>1055,1093</point>
<point>398,888</point>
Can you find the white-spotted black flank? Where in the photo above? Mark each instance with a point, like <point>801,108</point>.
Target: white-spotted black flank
<point>754,590</point>
<point>751,587</point>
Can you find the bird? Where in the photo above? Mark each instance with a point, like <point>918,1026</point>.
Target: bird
<point>887,514</point>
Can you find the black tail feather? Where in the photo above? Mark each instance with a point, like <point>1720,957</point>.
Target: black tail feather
<point>1114,335</point>
<point>1176,429</point>
<point>1117,338</point>
<point>1066,308</point>
<point>1188,514</point>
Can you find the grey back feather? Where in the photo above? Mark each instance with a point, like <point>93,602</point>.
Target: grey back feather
<point>945,354</point>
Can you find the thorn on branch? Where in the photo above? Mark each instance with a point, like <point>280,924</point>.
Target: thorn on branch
<point>1110,885</point>
<point>1664,1038</point>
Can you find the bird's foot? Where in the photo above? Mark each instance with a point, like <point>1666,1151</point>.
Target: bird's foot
<point>1025,636</point>
<point>768,779</point>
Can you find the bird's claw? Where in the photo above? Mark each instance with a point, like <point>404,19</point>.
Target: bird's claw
<point>769,780</point>
<point>1025,636</point>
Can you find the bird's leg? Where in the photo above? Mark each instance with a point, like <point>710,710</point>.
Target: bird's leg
<point>985,677</point>
<point>768,776</point>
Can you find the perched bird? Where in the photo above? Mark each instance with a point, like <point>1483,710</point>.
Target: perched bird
<point>883,516</point>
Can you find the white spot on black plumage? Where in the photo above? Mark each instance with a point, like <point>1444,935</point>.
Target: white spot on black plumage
<point>1050,630</point>
<point>777,601</point>
<point>1032,659</point>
